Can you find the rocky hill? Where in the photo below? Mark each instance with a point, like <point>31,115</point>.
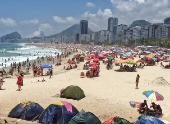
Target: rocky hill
<point>73,30</point>
<point>139,23</point>
<point>13,35</point>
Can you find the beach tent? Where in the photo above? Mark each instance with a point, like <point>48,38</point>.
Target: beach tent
<point>46,66</point>
<point>72,92</point>
<point>116,120</point>
<point>148,120</point>
<point>59,112</point>
<point>27,111</point>
<point>84,118</point>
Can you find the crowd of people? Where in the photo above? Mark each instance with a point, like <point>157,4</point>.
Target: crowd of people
<point>23,68</point>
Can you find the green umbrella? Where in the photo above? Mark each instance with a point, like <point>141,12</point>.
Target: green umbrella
<point>110,58</point>
<point>132,62</point>
<point>82,56</point>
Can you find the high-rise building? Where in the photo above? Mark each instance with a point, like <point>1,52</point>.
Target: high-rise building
<point>84,27</point>
<point>112,26</point>
<point>167,20</point>
<point>111,23</point>
<point>77,37</point>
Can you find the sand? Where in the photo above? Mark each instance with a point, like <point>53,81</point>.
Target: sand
<point>106,95</point>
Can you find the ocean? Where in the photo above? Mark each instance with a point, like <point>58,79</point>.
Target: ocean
<point>12,52</point>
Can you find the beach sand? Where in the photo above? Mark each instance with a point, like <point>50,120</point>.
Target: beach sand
<point>106,95</point>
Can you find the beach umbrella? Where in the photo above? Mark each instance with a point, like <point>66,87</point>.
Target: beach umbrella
<point>46,66</point>
<point>95,60</point>
<point>82,56</point>
<point>153,95</point>
<point>121,61</point>
<point>132,62</point>
<point>140,61</point>
<point>93,63</point>
<point>110,58</point>
<point>87,58</point>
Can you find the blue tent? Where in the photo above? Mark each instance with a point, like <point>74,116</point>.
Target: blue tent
<point>57,114</point>
<point>148,120</point>
<point>45,66</point>
<point>28,111</point>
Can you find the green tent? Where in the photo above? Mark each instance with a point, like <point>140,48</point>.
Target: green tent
<point>72,92</point>
<point>84,118</point>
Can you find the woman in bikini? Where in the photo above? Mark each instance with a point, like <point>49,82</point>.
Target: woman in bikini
<point>20,82</point>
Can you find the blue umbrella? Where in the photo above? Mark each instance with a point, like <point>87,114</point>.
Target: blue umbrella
<point>46,66</point>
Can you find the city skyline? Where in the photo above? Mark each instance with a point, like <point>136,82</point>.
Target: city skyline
<point>51,17</point>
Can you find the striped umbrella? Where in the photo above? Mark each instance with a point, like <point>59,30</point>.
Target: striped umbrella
<point>153,95</point>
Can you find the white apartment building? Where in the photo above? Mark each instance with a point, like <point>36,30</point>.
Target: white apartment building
<point>84,37</point>
<point>117,31</point>
<point>159,31</point>
<point>103,35</point>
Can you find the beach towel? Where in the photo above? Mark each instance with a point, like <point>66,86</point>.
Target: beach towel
<point>134,104</point>
<point>67,105</point>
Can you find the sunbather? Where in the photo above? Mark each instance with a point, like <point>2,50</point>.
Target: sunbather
<point>143,107</point>
<point>152,110</point>
<point>158,111</point>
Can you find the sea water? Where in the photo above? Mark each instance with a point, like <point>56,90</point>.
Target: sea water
<point>12,52</point>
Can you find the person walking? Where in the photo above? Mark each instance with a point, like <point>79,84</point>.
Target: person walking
<point>51,73</point>
<point>1,82</point>
<point>20,82</point>
<point>137,81</point>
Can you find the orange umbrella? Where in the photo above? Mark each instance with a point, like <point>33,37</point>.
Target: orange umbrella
<point>121,61</point>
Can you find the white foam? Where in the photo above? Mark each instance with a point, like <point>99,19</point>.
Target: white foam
<point>31,52</point>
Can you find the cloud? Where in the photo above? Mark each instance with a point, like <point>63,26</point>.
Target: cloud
<point>58,19</point>
<point>129,10</point>
<point>69,19</point>
<point>90,4</point>
<point>45,28</point>
<point>33,21</point>
<point>8,22</point>
<point>98,21</point>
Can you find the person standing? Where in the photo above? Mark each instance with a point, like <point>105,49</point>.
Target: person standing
<point>51,73</point>
<point>1,81</point>
<point>20,82</point>
<point>137,80</point>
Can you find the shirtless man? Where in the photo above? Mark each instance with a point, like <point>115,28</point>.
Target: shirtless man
<point>143,107</point>
<point>137,80</point>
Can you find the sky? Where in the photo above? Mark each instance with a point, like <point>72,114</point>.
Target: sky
<point>29,17</point>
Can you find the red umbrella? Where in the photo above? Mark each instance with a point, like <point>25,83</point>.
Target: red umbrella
<point>87,58</point>
<point>140,61</point>
<point>94,66</point>
<point>149,59</point>
<point>113,55</point>
<point>93,63</point>
<point>95,60</point>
